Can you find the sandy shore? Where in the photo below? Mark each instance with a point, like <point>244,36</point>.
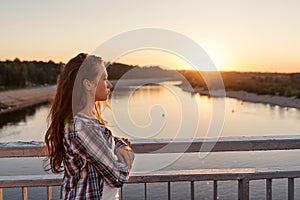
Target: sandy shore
<point>291,102</point>
<point>18,99</point>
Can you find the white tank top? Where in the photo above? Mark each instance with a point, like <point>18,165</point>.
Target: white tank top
<point>110,193</point>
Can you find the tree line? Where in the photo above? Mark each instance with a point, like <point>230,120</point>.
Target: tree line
<point>281,84</point>
<point>18,74</point>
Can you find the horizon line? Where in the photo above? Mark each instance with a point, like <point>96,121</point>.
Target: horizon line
<point>177,69</point>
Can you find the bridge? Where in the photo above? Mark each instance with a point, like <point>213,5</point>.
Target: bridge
<point>243,176</point>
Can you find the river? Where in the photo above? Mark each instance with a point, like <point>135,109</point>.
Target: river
<point>164,111</point>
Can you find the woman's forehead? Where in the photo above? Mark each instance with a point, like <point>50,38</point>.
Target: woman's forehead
<point>102,69</point>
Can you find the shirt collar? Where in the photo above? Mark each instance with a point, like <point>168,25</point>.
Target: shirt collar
<point>82,115</point>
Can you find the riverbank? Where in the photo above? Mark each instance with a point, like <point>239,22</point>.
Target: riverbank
<point>290,102</point>
<point>13,100</point>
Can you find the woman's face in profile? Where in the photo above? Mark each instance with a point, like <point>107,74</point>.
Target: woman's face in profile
<point>103,86</point>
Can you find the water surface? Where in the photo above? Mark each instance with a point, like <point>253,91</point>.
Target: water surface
<point>165,111</point>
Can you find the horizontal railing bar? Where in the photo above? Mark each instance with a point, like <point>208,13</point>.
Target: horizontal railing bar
<point>217,145</point>
<point>179,146</point>
<point>163,176</point>
<point>12,152</point>
<point>30,181</point>
<point>189,175</point>
<point>275,173</point>
<point>216,174</point>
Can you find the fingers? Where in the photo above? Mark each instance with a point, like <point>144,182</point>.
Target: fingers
<point>128,160</point>
<point>121,158</point>
<point>126,141</point>
<point>129,157</point>
<point>128,149</point>
<point>126,156</point>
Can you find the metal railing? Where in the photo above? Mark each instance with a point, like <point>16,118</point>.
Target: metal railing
<point>242,175</point>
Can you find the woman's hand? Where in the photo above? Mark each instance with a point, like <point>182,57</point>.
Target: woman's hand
<point>126,141</point>
<point>125,155</point>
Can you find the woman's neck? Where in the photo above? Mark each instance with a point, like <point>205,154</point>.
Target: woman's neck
<point>90,105</point>
<point>88,110</point>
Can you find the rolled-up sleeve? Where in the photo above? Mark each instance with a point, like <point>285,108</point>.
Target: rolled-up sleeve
<point>118,144</point>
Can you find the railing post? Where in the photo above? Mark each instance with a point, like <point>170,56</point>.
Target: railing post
<point>145,189</point>
<point>243,189</point>
<point>269,189</point>
<point>122,193</point>
<point>49,192</point>
<point>215,190</point>
<point>24,193</point>
<point>291,189</point>
<point>192,190</point>
<point>169,190</point>
<point>1,194</point>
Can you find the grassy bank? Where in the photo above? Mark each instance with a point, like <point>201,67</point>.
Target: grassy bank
<point>277,84</point>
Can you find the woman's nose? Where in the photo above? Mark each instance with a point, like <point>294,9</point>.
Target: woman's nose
<point>109,85</point>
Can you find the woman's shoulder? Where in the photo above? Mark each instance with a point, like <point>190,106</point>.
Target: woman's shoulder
<point>82,125</point>
<point>79,125</point>
<point>81,120</point>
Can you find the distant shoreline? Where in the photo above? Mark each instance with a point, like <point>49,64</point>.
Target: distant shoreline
<point>290,102</point>
<point>13,100</point>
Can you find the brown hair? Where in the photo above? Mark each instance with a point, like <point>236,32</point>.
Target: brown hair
<point>69,98</point>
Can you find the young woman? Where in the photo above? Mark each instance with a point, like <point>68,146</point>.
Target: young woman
<point>95,163</point>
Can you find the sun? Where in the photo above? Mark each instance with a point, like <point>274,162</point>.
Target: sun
<point>218,60</point>
<point>218,55</point>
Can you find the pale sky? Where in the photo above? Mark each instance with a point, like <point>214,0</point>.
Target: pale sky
<point>244,35</point>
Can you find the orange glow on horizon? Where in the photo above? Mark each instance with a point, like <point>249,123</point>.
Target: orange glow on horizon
<point>154,57</point>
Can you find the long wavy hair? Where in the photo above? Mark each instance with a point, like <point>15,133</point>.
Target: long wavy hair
<point>69,98</point>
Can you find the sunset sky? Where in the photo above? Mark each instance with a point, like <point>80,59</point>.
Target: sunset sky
<point>240,35</point>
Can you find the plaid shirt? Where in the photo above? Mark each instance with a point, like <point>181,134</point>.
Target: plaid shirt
<point>89,159</point>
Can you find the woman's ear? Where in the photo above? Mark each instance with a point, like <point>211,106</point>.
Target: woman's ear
<point>88,84</point>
